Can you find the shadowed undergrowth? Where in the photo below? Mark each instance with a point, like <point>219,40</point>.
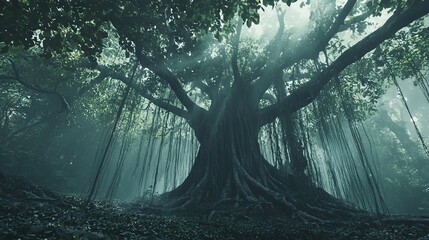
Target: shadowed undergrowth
<point>30,212</point>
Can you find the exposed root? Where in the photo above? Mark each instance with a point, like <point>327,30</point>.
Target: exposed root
<point>242,180</point>
<point>406,220</point>
<point>243,193</point>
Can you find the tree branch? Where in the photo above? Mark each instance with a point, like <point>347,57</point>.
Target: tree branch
<point>354,20</point>
<point>17,77</point>
<point>205,89</point>
<point>307,92</point>
<point>274,44</point>
<point>339,21</point>
<point>272,48</point>
<point>304,50</point>
<point>270,98</point>
<point>164,73</point>
<point>159,103</point>
<point>91,84</point>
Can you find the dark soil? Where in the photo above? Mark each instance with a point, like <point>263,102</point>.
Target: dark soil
<point>31,212</point>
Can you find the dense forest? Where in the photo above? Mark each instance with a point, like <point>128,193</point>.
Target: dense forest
<point>240,119</point>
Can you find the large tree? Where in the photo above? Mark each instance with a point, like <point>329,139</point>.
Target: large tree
<point>165,37</point>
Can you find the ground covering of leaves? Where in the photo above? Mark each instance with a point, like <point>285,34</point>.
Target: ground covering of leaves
<point>28,211</point>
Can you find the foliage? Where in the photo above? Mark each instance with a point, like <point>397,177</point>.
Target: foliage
<point>405,165</point>
<point>164,27</point>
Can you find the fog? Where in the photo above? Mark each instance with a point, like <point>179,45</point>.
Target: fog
<point>366,163</point>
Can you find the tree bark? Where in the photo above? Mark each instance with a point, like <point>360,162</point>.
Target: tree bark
<point>229,165</point>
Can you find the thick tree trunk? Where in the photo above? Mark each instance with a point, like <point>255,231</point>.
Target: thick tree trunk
<point>230,171</point>
<point>229,166</point>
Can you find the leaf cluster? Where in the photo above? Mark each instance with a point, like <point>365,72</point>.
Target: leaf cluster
<point>161,28</point>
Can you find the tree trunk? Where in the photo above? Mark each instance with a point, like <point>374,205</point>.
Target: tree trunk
<point>229,169</point>
<point>229,165</point>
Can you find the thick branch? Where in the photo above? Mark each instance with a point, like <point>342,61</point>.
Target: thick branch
<point>354,20</point>
<point>91,84</point>
<point>273,46</point>
<point>304,50</point>
<point>164,73</point>
<point>270,98</point>
<point>210,91</point>
<point>159,103</point>
<point>339,21</point>
<point>305,94</point>
<point>17,77</point>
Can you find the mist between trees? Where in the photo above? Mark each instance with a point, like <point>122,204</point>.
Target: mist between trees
<point>305,108</point>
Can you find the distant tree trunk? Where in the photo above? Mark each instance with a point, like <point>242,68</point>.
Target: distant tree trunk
<point>51,120</point>
<point>404,138</point>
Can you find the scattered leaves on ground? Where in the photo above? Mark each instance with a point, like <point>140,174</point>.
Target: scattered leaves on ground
<point>31,212</point>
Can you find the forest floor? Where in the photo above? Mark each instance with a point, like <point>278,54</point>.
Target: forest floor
<point>28,211</point>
